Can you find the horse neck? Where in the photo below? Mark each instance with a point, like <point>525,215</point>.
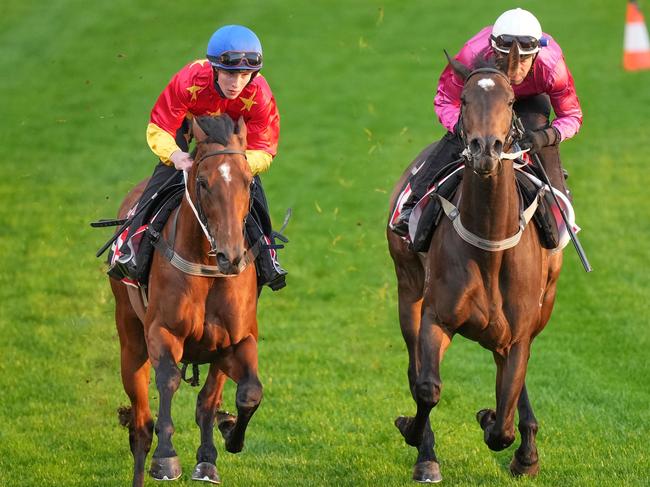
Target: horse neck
<point>489,206</point>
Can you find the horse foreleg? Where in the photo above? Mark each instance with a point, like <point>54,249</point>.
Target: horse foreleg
<point>165,351</point>
<point>410,286</point>
<point>135,368</point>
<point>242,368</point>
<point>525,460</point>
<point>207,404</point>
<point>498,427</point>
<point>432,344</point>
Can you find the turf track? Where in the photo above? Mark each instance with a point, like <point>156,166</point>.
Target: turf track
<point>354,82</point>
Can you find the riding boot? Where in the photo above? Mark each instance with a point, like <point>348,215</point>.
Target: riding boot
<point>269,271</point>
<point>259,230</point>
<point>550,158</point>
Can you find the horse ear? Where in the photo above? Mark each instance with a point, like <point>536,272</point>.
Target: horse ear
<point>197,131</point>
<point>513,61</point>
<point>460,69</point>
<point>240,130</point>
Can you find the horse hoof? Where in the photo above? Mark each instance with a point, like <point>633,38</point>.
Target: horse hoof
<point>234,446</point>
<point>206,472</point>
<point>404,425</point>
<point>165,468</point>
<point>518,469</point>
<point>485,417</point>
<point>427,472</point>
<point>225,422</point>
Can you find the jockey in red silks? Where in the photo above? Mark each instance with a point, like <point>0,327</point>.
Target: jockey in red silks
<point>228,81</point>
<point>542,81</point>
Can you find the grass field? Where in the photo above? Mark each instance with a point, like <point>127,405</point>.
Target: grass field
<point>354,81</point>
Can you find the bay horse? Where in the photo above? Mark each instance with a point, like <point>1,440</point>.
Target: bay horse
<point>193,318</point>
<point>501,298</point>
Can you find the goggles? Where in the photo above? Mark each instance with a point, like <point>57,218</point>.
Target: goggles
<point>527,44</point>
<point>231,59</point>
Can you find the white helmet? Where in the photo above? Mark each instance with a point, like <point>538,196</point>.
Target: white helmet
<point>516,25</point>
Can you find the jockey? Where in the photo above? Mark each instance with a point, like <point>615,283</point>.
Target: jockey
<point>228,81</point>
<point>542,81</point>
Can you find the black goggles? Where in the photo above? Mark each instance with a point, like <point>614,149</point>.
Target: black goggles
<point>232,59</point>
<point>526,43</point>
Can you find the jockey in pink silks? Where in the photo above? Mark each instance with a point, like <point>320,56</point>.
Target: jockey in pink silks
<point>542,82</point>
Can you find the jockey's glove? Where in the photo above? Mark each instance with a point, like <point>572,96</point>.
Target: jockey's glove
<point>181,160</point>
<point>535,140</point>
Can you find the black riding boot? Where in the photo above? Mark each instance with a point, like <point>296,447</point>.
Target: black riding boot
<point>258,229</point>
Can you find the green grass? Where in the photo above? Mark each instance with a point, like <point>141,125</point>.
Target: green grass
<point>354,82</point>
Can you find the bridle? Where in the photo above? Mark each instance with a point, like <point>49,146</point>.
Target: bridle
<point>166,248</point>
<point>198,209</point>
<point>513,134</point>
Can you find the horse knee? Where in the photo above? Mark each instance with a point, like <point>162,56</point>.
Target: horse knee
<point>427,393</point>
<point>140,439</point>
<point>249,394</point>
<point>168,378</point>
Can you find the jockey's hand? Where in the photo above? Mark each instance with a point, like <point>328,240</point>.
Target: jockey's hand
<point>535,140</point>
<point>181,160</point>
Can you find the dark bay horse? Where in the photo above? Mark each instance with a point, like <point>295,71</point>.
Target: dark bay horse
<point>193,318</point>
<point>501,298</point>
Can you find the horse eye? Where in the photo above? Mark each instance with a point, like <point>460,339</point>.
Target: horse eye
<point>201,181</point>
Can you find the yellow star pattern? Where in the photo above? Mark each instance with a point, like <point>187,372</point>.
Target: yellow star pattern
<point>200,62</point>
<point>215,114</point>
<point>248,102</point>
<point>194,89</point>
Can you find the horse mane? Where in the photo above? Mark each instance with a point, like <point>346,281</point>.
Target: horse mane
<point>481,62</point>
<point>218,129</point>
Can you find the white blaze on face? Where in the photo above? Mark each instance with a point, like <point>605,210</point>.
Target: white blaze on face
<point>486,83</point>
<point>224,169</point>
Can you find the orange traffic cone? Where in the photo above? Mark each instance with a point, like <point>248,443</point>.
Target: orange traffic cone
<point>636,54</point>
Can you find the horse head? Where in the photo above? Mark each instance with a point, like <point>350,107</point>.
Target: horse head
<point>486,116</point>
<point>219,182</point>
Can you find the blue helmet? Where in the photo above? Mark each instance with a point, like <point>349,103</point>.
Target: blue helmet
<point>235,48</point>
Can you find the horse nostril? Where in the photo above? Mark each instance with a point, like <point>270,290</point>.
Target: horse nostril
<point>498,147</point>
<point>475,146</point>
<point>222,260</point>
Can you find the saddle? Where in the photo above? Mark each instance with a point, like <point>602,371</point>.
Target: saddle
<point>447,183</point>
